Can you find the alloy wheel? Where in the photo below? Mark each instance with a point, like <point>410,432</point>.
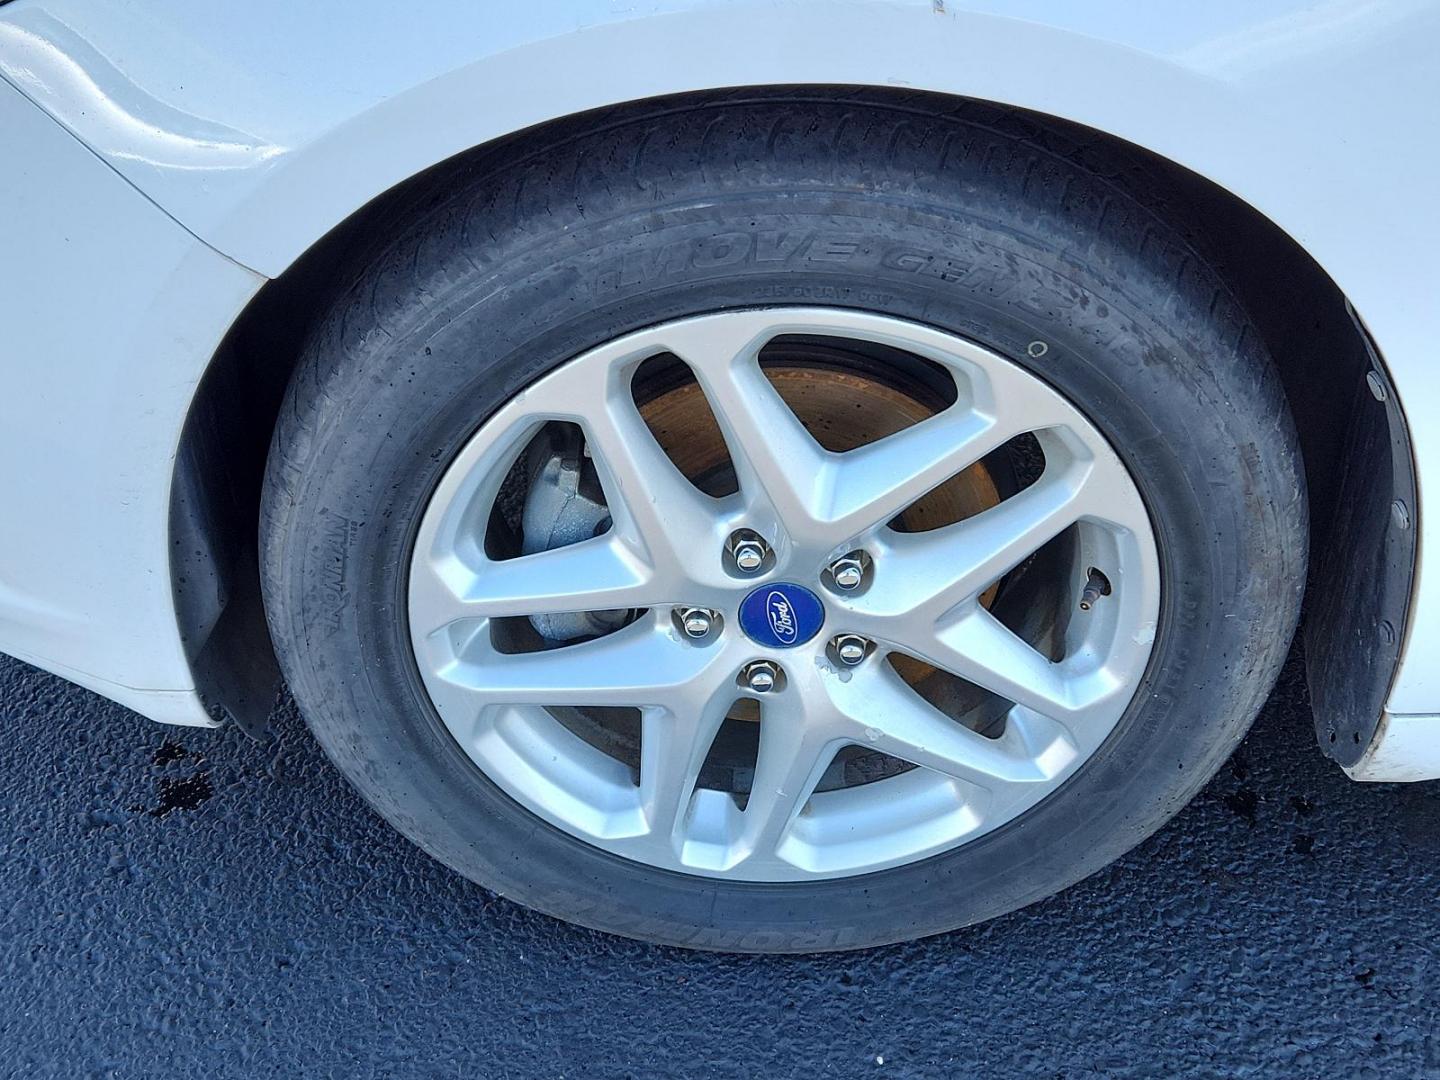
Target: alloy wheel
<point>794,593</point>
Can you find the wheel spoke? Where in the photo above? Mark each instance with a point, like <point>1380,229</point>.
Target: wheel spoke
<point>980,648</point>
<point>779,466</point>
<point>886,713</point>
<point>649,498</point>
<point>637,666</point>
<point>791,759</point>
<point>870,486</point>
<point>815,493</point>
<point>594,575</point>
<point>673,747</point>
<point>929,573</point>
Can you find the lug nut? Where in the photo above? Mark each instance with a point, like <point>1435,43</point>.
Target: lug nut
<point>760,676</point>
<point>748,550</point>
<point>848,572</point>
<point>748,557</point>
<point>851,648</point>
<point>697,621</point>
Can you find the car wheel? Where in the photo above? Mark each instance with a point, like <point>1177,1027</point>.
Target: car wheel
<point>783,525</point>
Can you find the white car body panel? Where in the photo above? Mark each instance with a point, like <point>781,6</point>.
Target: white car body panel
<point>1405,748</point>
<point>259,127</point>
<point>91,411</point>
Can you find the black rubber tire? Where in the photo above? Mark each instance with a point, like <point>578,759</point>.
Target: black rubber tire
<point>963,219</point>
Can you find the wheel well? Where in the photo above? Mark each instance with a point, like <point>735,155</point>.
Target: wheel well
<point>1355,446</point>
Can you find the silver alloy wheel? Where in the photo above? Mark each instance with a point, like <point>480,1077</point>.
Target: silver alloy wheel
<point>666,549</point>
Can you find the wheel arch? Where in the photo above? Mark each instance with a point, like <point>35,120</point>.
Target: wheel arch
<point>1355,445</point>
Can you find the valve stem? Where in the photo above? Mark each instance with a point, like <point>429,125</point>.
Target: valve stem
<point>1096,586</point>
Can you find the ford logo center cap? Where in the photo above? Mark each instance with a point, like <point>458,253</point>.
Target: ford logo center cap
<point>781,615</point>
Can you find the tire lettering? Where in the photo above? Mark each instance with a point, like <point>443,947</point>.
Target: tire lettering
<point>338,537</point>
<point>833,249</point>
<point>773,246</point>
<point>907,261</point>
<point>727,249</point>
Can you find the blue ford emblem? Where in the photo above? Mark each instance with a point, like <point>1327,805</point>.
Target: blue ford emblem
<point>781,615</point>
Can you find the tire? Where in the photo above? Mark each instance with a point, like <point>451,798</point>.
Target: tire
<point>940,218</point>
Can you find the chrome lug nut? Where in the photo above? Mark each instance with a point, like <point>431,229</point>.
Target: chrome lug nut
<point>748,549</point>
<point>748,557</point>
<point>697,621</point>
<point>760,676</point>
<point>850,648</point>
<point>848,572</point>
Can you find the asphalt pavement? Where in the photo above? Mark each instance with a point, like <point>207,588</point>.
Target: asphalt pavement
<point>195,904</point>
